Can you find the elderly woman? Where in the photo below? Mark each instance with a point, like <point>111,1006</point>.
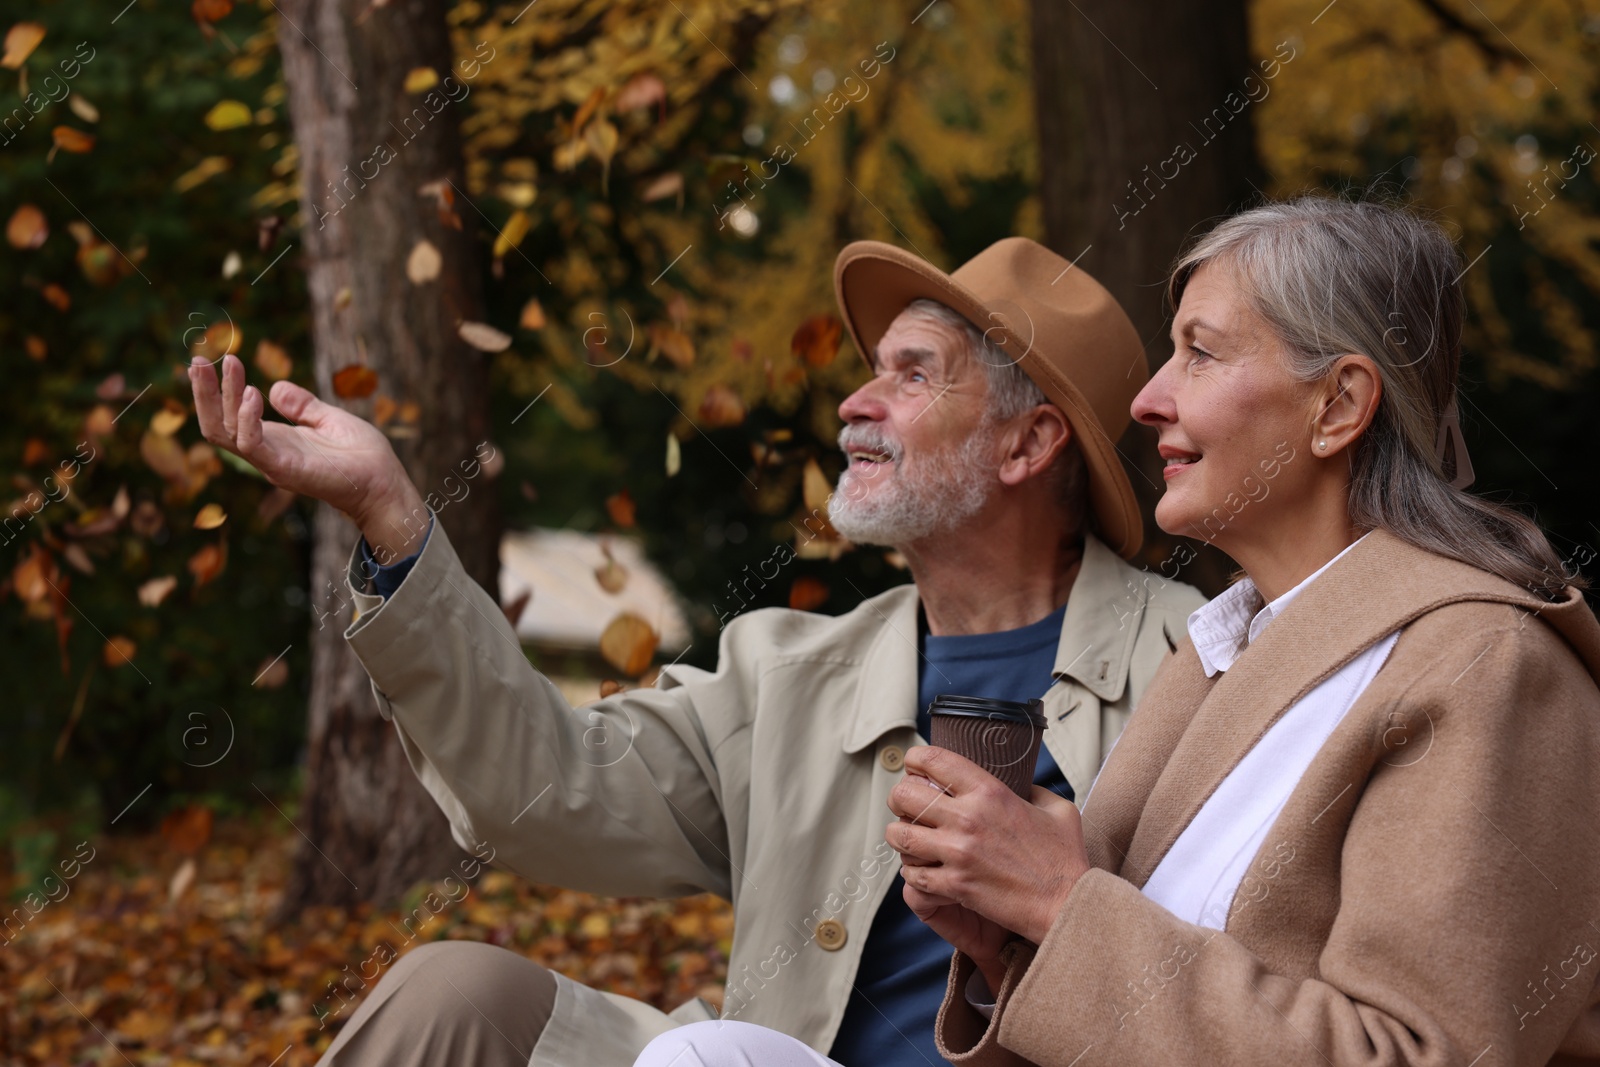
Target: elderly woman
<point>1354,819</point>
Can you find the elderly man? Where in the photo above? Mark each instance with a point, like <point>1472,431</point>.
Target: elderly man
<point>983,449</point>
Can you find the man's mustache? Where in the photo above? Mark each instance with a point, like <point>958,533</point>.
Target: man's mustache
<point>869,439</point>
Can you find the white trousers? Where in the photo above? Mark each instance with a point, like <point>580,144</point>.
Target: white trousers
<point>729,1044</point>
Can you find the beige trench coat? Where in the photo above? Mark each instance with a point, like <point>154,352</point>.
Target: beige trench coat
<point>1430,892</point>
<point>764,782</point>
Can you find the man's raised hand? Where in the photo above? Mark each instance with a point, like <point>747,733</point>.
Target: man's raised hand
<point>323,452</point>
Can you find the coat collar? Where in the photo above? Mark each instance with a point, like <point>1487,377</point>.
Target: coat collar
<point>1191,732</point>
<point>1095,648</point>
<point>1101,622</point>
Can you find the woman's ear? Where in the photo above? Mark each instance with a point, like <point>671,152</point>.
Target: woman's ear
<point>1034,443</point>
<point>1347,404</point>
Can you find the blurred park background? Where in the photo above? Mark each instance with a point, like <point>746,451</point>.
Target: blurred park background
<point>575,258</point>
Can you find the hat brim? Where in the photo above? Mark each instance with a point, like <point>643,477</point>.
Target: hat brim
<point>874,282</point>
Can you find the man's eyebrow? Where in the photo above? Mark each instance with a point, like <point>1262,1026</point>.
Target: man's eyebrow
<point>910,353</point>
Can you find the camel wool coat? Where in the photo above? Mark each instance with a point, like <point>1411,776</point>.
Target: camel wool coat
<point>1430,893</point>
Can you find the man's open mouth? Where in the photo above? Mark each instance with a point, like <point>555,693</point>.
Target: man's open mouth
<point>866,458</point>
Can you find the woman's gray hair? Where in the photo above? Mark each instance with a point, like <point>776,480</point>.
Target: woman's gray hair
<point>1011,393</point>
<point>1333,277</point>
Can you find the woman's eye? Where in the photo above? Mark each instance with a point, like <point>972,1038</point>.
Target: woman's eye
<point>1199,353</point>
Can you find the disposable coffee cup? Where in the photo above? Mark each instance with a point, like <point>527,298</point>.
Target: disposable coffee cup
<point>1001,736</point>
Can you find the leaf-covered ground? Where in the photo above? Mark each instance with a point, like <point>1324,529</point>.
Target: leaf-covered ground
<point>150,958</point>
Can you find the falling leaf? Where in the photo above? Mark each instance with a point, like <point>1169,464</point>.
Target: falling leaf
<point>611,575</point>
<point>69,139</point>
<point>35,347</point>
<point>674,455</point>
<point>721,407</point>
<point>483,337</point>
<point>273,361</point>
<point>621,508</point>
<point>815,487</point>
<point>82,108</point>
<point>35,450</point>
<point>210,517</point>
<point>517,194</point>
<point>601,138</point>
<point>154,591</point>
<point>228,115</point>
<point>117,651</point>
<point>112,388</point>
<point>31,577</point>
<point>343,298</point>
<point>188,829</point>
<point>816,341</point>
<point>166,421</point>
<point>354,382</point>
<point>267,232</point>
<point>628,643</point>
<point>587,109</point>
<point>424,263</point>
<point>420,79</point>
<point>100,421</point>
<point>75,555</point>
<point>511,235</point>
<point>807,594</point>
<point>641,90</point>
<point>383,410</point>
<point>27,227</point>
<point>207,563</point>
<point>272,674</point>
<point>57,296</point>
<point>182,879</point>
<point>569,154</point>
<point>207,168</point>
<point>232,264</point>
<point>532,316</point>
<point>220,339</point>
<point>207,11</point>
<point>672,343</point>
<point>21,40</point>
<point>164,455</point>
<point>663,186</point>
<point>610,687</point>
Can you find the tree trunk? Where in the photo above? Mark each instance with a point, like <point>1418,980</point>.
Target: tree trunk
<point>366,148</point>
<point>1119,87</point>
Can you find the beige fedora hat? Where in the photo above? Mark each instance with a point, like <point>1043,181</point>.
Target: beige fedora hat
<point>1060,325</point>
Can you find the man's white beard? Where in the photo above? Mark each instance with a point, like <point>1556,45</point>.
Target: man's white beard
<point>934,495</point>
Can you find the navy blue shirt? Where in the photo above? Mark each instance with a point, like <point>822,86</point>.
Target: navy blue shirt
<point>385,580</point>
<point>901,979</point>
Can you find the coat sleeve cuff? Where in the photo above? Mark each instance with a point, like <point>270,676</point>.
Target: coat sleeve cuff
<point>964,1035</point>
<point>1105,922</point>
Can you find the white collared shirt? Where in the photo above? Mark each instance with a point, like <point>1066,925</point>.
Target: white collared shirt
<point>1198,877</point>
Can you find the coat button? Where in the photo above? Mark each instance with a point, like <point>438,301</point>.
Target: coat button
<point>893,758</point>
<point>831,934</point>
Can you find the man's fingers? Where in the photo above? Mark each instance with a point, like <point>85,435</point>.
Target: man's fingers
<point>249,425</point>
<point>299,405</point>
<point>207,401</point>
<point>913,800</point>
<point>232,389</point>
<point>957,773</point>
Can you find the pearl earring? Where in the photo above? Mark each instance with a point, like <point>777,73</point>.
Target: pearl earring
<point>1322,444</point>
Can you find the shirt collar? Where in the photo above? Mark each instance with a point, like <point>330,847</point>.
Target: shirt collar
<point>1224,627</point>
